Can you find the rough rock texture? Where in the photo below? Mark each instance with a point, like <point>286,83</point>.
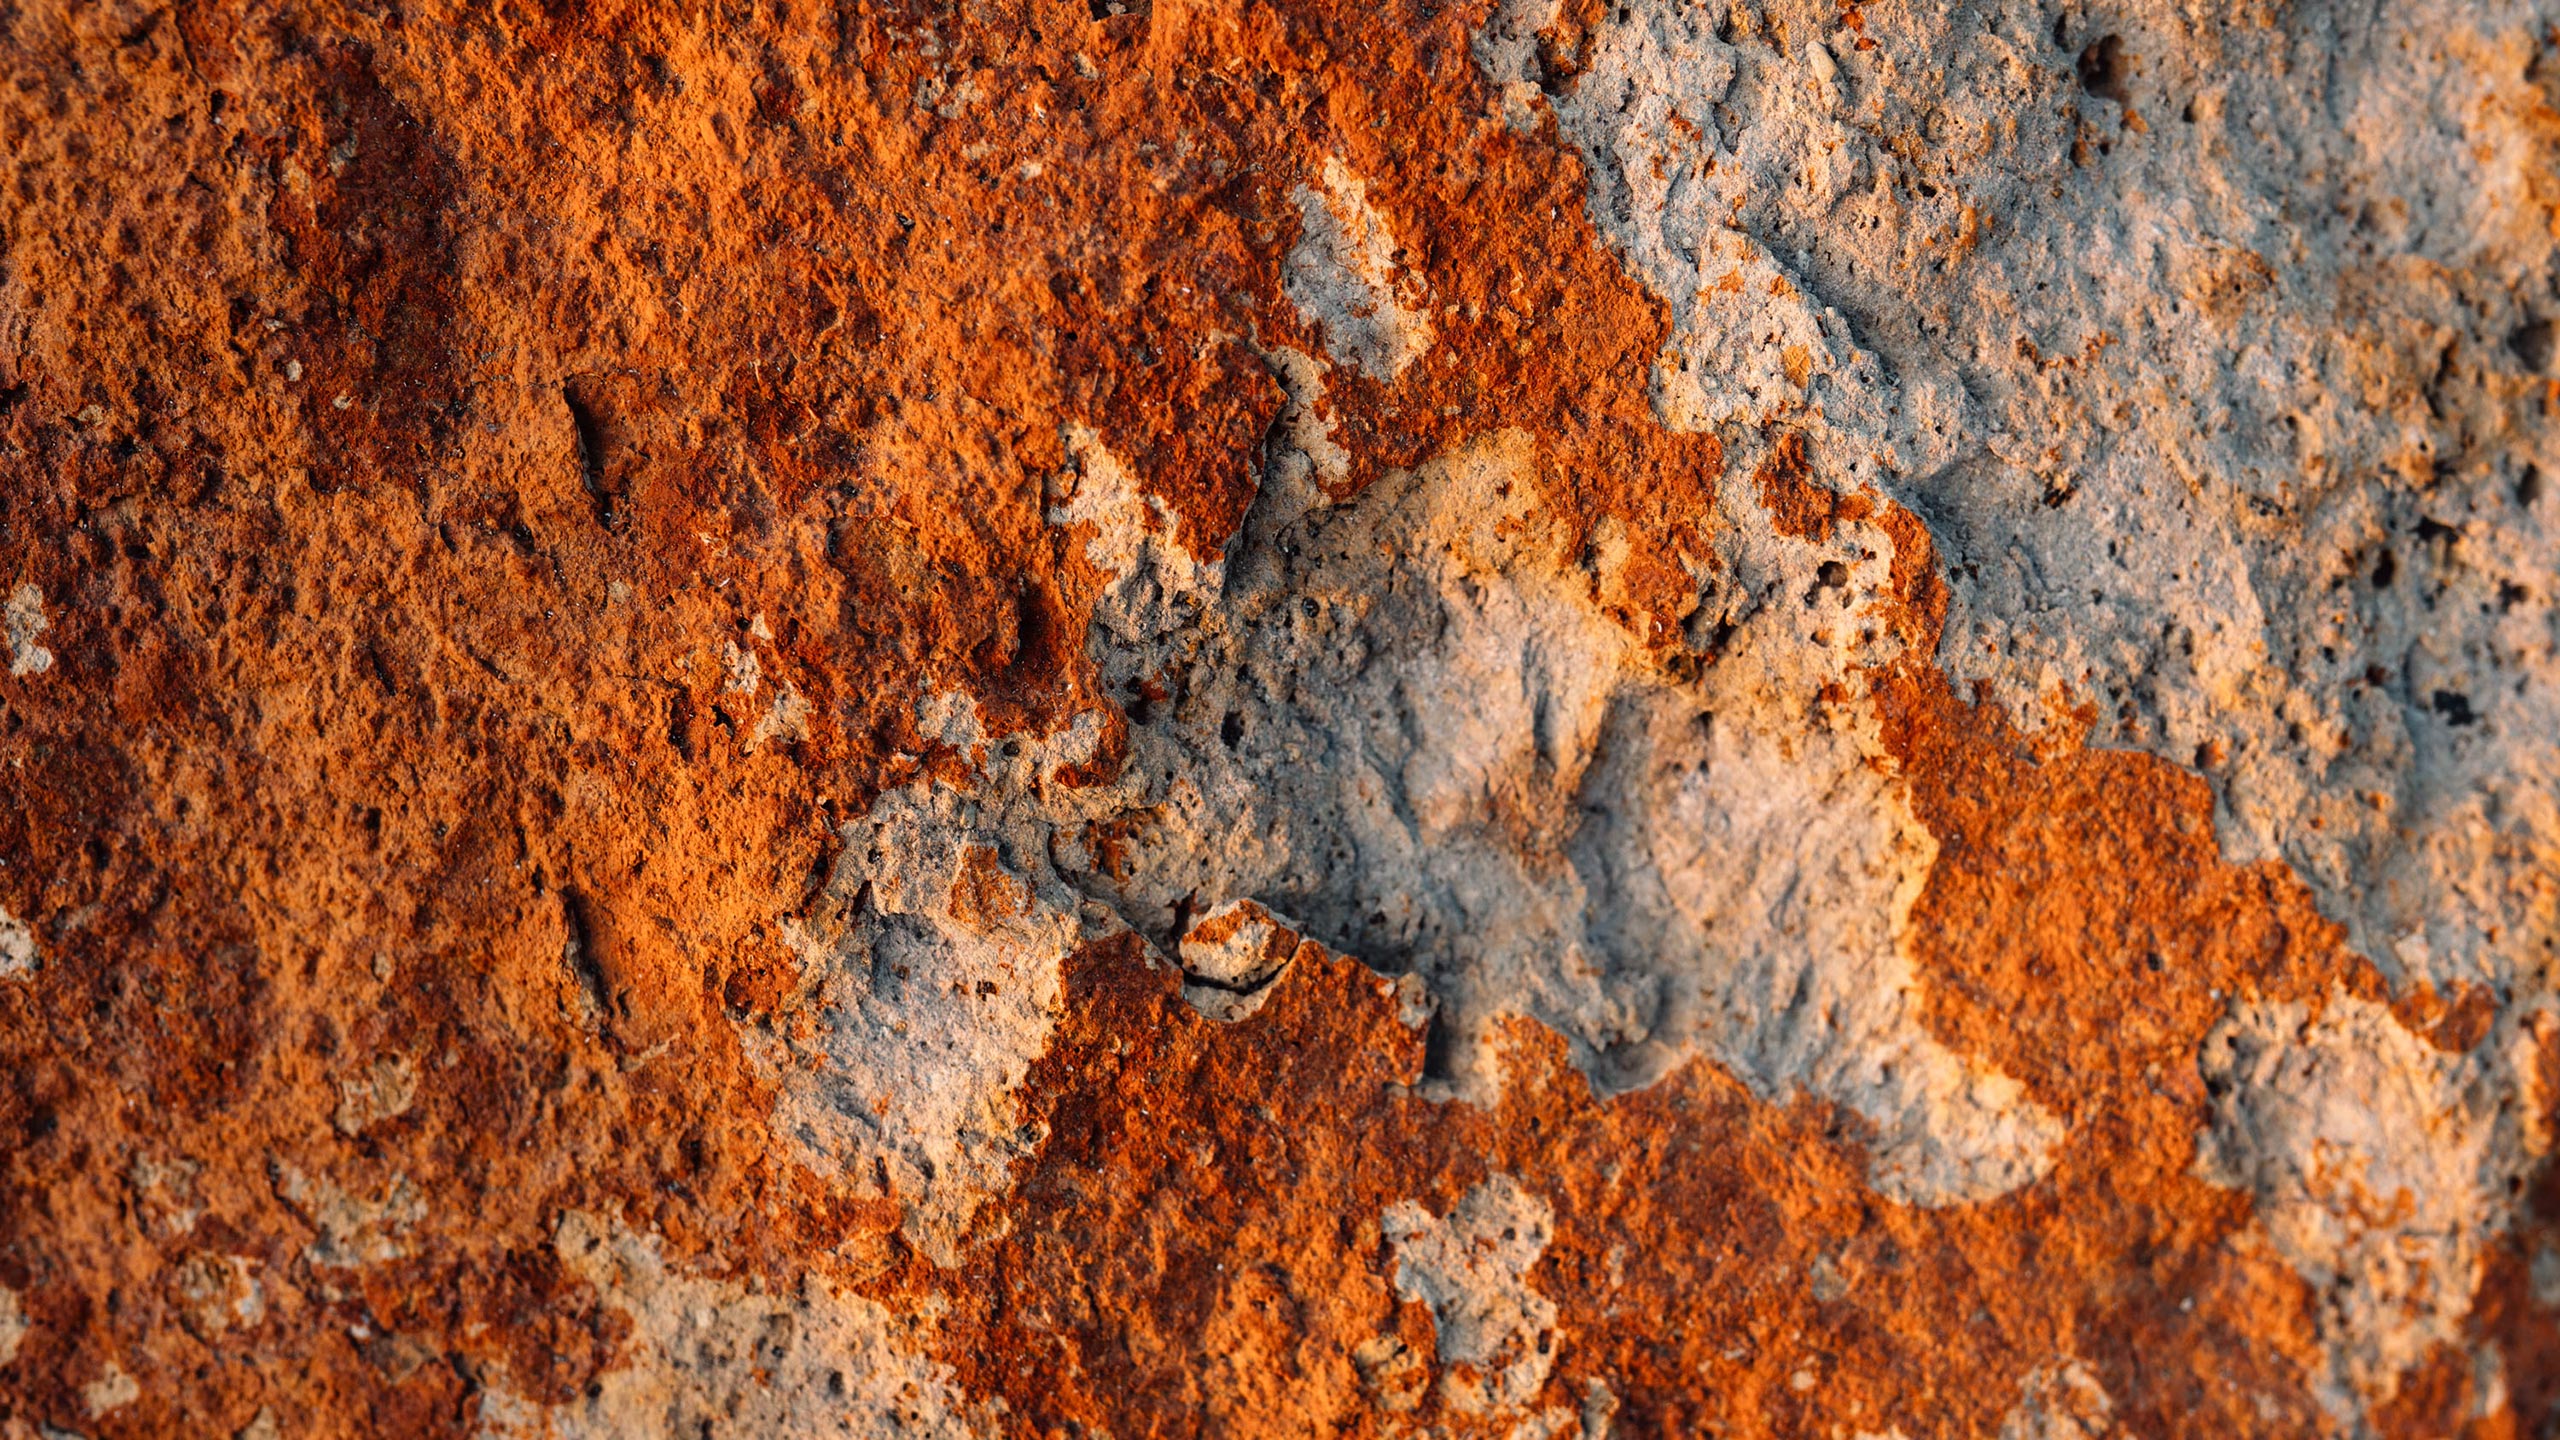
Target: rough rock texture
<point>1524,719</point>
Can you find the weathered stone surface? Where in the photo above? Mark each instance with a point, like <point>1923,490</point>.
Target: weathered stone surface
<point>1520,719</point>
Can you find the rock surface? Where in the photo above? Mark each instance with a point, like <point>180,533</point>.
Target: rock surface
<point>1522,719</point>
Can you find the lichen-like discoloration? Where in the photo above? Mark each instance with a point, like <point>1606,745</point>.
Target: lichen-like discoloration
<point>111,1391</point>
<point>381,1090</point>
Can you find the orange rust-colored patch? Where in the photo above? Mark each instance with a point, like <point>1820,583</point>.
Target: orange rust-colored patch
<point>2453,1024</point>
<point>1800,506</point>
<point>986,894</point>
<point>2442,1397</point>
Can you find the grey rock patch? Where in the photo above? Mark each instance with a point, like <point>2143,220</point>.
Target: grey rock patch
<point>1471,1267</point>
<point>1506,50</point>
<point>704,1353</point>
<point>744,670</point>
<point>1344,277</point>
<point>219,1292</point>
<point>786,719</point>
<point>2381,1167</point>
<point>14,1325</point>
<point>17,947</point>
<point>2061,1401</point>
<point>1152,583</point>
<point>382,1090</point>
<point>24,619</point>
<point>2222,395</point>
<point>1408,723</point>
<point>355,1230</point>
<point>111,1391</point>
<point>2205,381</point>
<point>929,984</point>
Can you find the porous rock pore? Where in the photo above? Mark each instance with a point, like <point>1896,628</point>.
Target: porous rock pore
<point>1520,718</point>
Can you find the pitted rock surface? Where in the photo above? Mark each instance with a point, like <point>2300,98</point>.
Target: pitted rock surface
<point>1518,719</point>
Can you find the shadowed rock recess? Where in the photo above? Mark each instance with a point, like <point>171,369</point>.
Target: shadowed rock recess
<point>1516,718</point>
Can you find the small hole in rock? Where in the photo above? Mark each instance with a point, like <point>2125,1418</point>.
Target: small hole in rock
<point>2532,344</point>
<point>2102,69</point>
<point>1438,1043</point>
